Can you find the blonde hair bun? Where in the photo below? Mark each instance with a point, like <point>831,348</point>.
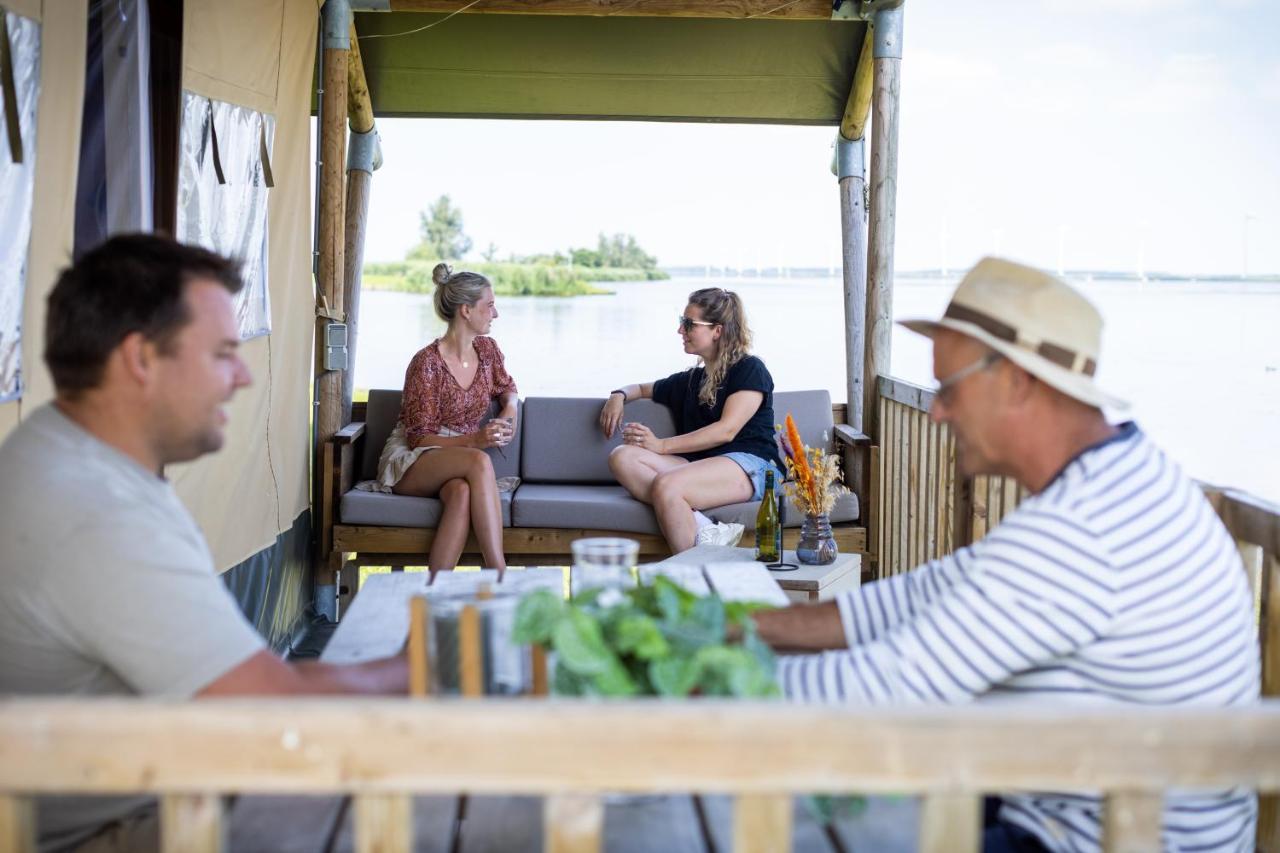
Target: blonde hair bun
<point>440,275</point>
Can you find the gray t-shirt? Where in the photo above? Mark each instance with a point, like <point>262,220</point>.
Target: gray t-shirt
<point>106,587</point>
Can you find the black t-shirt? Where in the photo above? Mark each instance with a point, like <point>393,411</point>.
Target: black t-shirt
<point>679,393</point>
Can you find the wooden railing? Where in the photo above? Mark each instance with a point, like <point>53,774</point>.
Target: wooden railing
<point>923,509</point>
<point>569,752</point>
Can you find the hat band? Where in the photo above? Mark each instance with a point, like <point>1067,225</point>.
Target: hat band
<point>1060,356</point>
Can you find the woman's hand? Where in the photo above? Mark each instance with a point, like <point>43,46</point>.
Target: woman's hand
<point>495,433</point>
<point>611,415</point>
<point>639,435</point>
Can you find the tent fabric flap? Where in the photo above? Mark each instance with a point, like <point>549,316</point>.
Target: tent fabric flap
<point>677,69</point>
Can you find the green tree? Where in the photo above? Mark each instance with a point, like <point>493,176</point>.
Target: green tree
<point>622,250</point>
<point>490,254</point>
<point>441,233</point>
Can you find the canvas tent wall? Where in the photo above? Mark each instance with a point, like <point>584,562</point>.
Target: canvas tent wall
<point>251,498</point>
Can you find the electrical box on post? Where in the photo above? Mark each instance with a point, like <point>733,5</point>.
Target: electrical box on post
<point>335,346</point>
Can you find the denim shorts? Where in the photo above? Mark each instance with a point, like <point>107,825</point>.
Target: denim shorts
<point>755,467</point>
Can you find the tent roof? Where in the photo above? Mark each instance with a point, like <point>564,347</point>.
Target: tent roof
<point>667,69</point>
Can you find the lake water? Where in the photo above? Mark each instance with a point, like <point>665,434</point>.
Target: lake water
<point>1200,362</point>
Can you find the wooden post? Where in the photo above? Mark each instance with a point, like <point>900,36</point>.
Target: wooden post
<point>17,824</point>
<point>191,823</point>
<point>572,823</point>
<point>470,653</point>
<point>887,56</point>
<point>761,823</point>
<point>384,823</point>
<point>1131,822</point>
<point>363,158</point>
<point>336,47</point>
<point>951,823</point>
<point>419,646</point>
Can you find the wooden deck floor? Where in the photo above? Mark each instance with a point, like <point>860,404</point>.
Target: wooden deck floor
<point>505,824</point>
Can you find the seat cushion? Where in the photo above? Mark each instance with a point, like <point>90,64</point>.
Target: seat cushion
<point>563,442</point>
<point>380,509</point>
<point>846,509</point>
<point>812,413</point>
<point>382,413</point>
<point>576,506</point>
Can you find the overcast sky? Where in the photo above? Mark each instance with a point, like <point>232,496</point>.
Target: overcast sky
<point>1096,134</point>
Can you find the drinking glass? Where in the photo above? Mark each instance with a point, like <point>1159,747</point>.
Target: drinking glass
<point>603,562</point>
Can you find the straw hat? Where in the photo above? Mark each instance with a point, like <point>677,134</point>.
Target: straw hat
<point>1035,320</point>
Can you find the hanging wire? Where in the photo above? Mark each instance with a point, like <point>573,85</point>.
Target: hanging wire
<point>428,26</point>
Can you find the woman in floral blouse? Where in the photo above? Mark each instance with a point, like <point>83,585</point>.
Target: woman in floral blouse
<point>437,448</point>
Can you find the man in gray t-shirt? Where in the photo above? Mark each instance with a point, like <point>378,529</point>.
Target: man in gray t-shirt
<point>106,584</point>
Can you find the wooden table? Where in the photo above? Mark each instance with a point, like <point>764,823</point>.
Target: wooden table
<point>808,583</point>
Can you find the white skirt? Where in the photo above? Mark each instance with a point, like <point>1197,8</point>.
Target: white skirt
<point>398,457</point>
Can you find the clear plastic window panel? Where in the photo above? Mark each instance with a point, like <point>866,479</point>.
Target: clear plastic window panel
<point>222,194</point>
<point>17,184</point>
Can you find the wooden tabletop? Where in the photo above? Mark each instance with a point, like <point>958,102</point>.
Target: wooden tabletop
<point>805,578</point>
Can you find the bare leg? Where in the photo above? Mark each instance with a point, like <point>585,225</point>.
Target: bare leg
<point>698,485</point>
<point>435,468</point>
<point>455,524</point>
<point>635,468</point>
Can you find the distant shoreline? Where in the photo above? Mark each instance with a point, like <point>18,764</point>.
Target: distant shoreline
<point>509,279</point>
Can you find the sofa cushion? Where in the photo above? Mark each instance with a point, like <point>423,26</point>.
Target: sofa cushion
<point>576,506</point>
<point>380,419</point>
<point>812,412</point>
<point>846,509</point>
<point>385,510</point>
<point>563,442</point>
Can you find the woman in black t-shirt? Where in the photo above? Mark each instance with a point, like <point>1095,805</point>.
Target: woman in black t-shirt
<point>723,412</point>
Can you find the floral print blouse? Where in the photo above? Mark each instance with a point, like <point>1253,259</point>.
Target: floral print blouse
<point>433,400</point>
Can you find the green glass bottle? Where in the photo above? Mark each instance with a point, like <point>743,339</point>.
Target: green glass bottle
<point>767,524</point>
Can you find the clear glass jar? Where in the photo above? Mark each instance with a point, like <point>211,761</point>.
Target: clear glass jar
<point>817,545</point>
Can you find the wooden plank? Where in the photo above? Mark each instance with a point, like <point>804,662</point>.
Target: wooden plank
<point>191,823</point>
<point>383,823</point>
<point>283,745</point>
<point>933,475</point>
<point>1131,822</point>
<point>919,480</point>
<point>573,823</point>
<point>419,651</point>
<point>762,823</point>
<point>802,10</point>
<point>1269,634</point>
<point>903,562</point>
<point>907,393</point>
<point>17,824</point>
<point>876,511</point>
<point>951,823</point>
<point>541,685</point>
<point>1247,517</point>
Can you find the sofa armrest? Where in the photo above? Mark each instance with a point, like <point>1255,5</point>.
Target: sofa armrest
<point>851,437</point>
<point>349,433</point>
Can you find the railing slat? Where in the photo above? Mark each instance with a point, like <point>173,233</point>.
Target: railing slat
<point>384,823</point>
<point>1269,631</point>
<point>572,823</point>
<point>951,823</point>
<point>762,823</point>
<point>1131,822</point>
<point>17,824</point>
<point>192,823</point>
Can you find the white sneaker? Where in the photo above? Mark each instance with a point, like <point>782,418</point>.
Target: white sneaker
<point>720,533</point>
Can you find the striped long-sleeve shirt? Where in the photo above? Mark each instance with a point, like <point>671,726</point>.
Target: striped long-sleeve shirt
<point>1116,584</point>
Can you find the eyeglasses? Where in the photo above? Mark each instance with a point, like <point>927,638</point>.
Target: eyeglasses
<point>946,387</point>
<point>687,323</point>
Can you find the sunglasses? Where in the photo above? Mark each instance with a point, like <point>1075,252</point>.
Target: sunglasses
<point>687,323</point>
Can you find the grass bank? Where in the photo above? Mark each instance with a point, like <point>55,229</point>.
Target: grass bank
<point>509,279</point>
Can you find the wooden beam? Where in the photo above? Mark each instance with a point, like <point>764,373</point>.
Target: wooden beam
<point>192,823</point>
<point>359,103</point>
<point>854,123</point>
<point>359,191</point>
<point>573,823</point>
<point>802,10</point>
<point>550,746</point>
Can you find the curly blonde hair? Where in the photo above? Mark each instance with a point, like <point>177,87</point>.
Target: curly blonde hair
<point>724,308</point>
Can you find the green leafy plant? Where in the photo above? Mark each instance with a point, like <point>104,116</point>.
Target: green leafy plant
<point>651,640</point>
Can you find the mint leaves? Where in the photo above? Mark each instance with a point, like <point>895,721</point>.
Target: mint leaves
<point>657,640</point>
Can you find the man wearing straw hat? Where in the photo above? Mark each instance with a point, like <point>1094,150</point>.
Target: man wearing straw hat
<point>106,584</point>
<point>1113,582</point>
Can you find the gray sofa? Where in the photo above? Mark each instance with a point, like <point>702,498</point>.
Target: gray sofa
<point>562,461</point>
<point>565,488</point>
